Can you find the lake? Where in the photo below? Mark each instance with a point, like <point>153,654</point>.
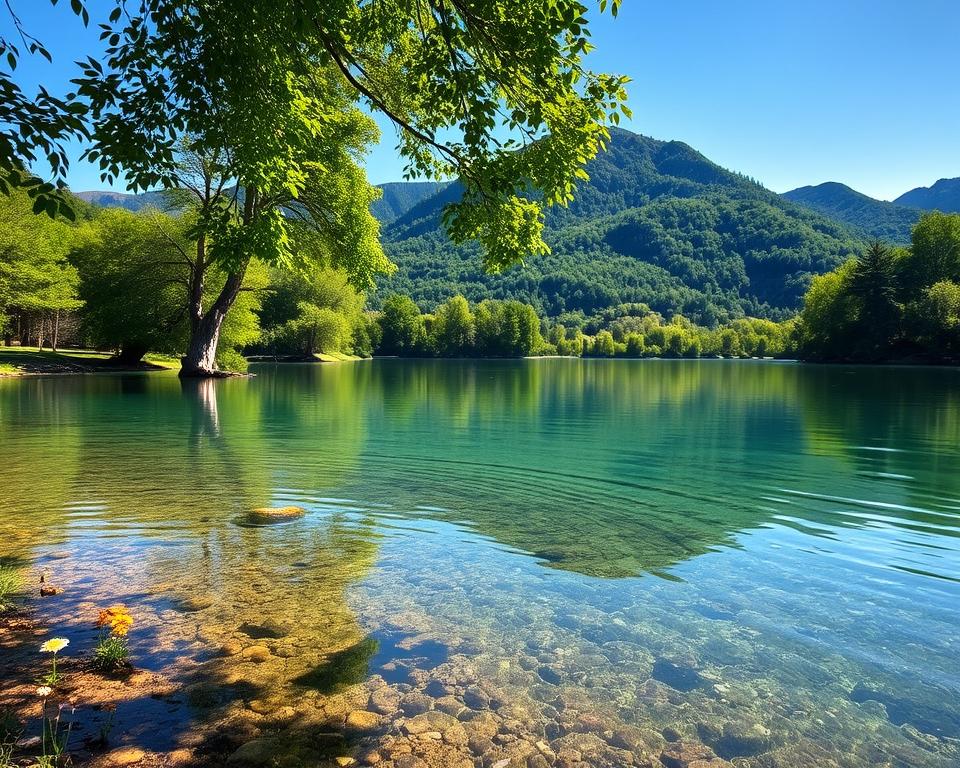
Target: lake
<point>568,562</point>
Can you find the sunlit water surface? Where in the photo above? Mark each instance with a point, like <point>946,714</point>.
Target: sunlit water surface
<point>761,557</point>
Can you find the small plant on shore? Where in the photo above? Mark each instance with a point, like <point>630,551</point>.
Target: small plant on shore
<point>112,652</point>
<point>106,728</point>
<point>56,733</point>
<point>53,678</point>
<point>11,583</point>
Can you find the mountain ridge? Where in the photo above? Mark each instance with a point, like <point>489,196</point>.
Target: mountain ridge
<point>877,219</point>
<point>942,195</point>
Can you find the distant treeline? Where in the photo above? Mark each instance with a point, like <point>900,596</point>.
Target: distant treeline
<point>508,328</point>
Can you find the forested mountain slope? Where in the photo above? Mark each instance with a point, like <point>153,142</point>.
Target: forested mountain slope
<point>878,219</point>
<point>657,223</point>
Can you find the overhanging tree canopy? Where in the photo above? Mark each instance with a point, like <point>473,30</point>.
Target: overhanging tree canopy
<point>493,92</point>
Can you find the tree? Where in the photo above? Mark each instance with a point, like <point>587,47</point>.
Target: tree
<point>603,345</point>
<point>314,310</point>
<point>36,128</point>
<point>828,318</point>
<point>133,281</point>
<point>636,345</point>
<point>507,329</point>
<point>268,92</point>
<point>873,281</point>
<point>934,254</point>
<point>135,272</point>
<point>454,328</point>
<point>37,283</point>
<point>936,318</point>
<point>402,327</point>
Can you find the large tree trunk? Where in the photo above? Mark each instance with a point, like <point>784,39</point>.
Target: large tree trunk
<point>200,359</point>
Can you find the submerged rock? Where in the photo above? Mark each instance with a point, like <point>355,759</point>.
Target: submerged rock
<point>361,720</point>
<point>384,700</point>
<point>254,753</point>
<point>125,756</point>
<point>256,653</point>
<point>268,630</point>
<point>275,514</point>
<point>680,677</point>
<point>682,754</point>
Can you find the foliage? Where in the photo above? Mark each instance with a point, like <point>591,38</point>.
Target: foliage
<point>403,330</point>
<point>112,651</point>
<point>513,329</point>
<point>264,99</point>
<point>135,280</point>
<point>454,329</point>
<point>889,304</point>
<point>314,310</point>
<point>36,127</point>
<point>292,71</point>
<point>35,276</point>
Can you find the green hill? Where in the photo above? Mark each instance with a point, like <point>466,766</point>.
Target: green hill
<point>942,196</point>
<point>400,196</point>
<point>128,200</point>
<point>877,219</point>
<point>657,223</point>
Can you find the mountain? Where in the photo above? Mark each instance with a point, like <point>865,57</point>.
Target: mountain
<point>399,197</point>
<point>130,201</point>
<point>877,219</point>
<point>657,223</point>
<point>942,196</point>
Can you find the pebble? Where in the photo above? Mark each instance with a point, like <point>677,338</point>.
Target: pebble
<point>256,653</point>
<point>126,756</point>
<point>384,700</point>
<point>361,720</point>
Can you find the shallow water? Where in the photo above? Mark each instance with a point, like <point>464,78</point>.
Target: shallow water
<point>761,557</point>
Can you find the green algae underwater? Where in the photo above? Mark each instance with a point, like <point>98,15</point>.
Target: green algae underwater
<point>548,562</point>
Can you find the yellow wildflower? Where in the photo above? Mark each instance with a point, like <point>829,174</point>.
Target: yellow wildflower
<point>118,618</point>
<point>55,645</point>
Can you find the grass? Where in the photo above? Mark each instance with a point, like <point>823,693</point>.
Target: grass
<point>171,362</point>
<point>335,357</point>
<point>11,583</point>
<point>20,360</point>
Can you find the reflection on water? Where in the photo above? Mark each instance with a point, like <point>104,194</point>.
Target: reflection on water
<point>760,558</point>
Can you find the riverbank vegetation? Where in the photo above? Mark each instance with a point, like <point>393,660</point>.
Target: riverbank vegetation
<point>121,281</point>
<point>890,304</point>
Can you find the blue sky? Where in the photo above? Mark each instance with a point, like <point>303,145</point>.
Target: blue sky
<point>790,92</point>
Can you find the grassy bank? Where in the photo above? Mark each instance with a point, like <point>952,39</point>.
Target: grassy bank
<point>20,361</point>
